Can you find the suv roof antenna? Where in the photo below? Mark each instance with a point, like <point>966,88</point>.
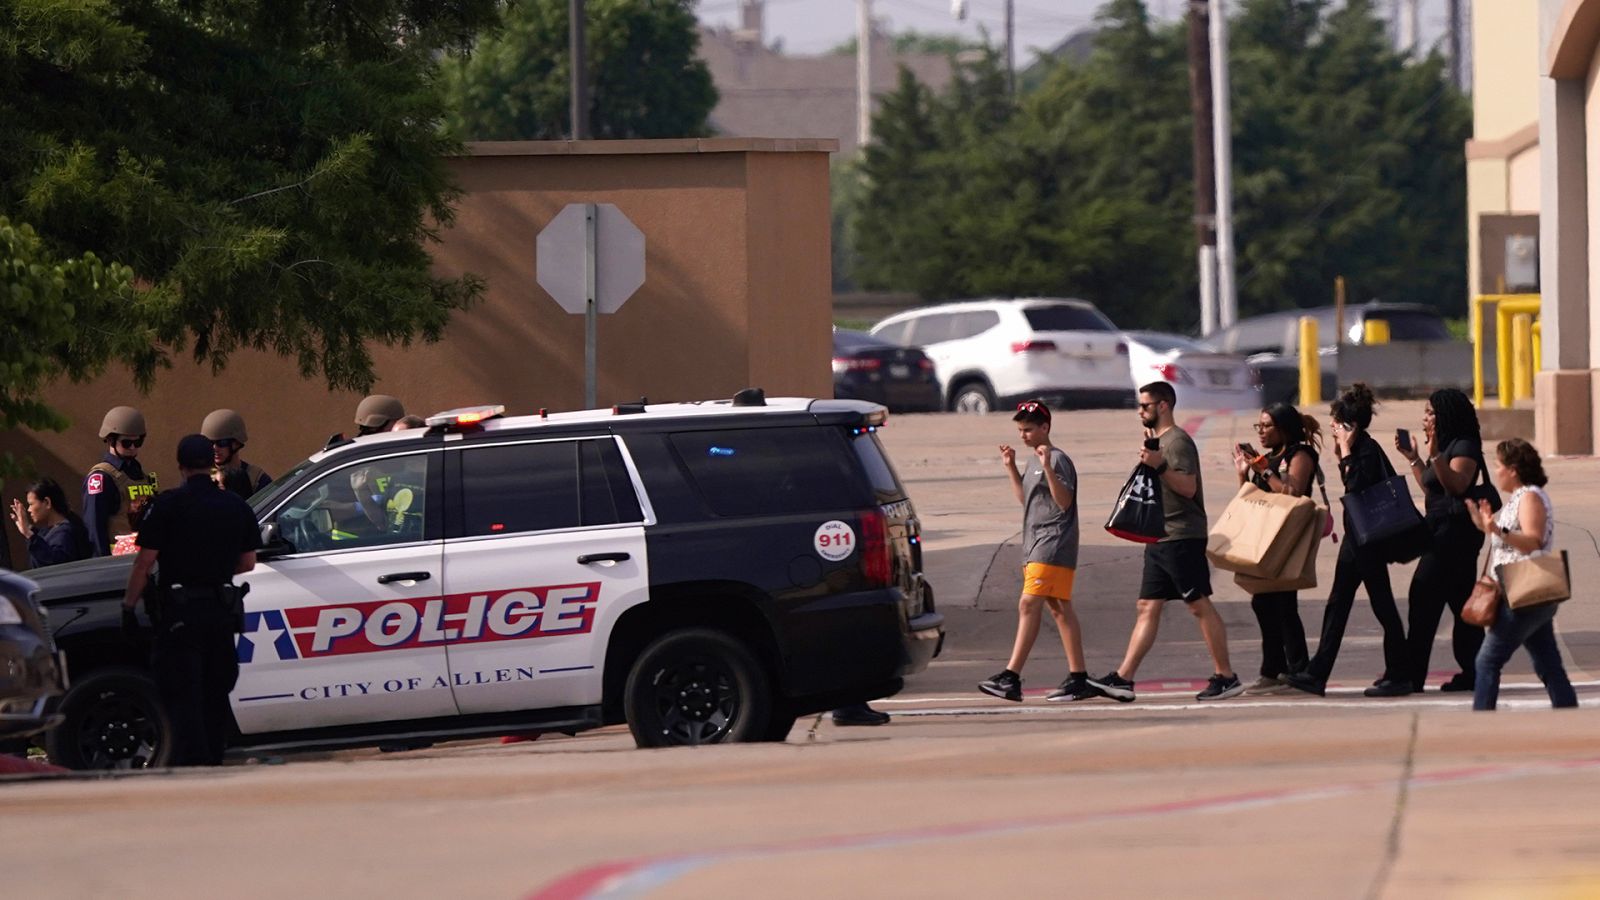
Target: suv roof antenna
<point>752,396</point>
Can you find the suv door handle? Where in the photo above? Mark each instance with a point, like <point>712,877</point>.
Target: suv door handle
<point>588,558</point>
<point>404,576</point>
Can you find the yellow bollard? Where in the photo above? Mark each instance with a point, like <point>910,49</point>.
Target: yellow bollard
<point>1537,332</point>
<point>1310,363</point>
<point>1521,357</point>
<point>1375,331</point>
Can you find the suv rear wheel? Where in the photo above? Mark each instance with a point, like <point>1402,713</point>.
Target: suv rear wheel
<point>696,686</point>
<point>973,397</point>
<point>112,719</point>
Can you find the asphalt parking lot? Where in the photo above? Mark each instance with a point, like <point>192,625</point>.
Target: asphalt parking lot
<point>961,795</point>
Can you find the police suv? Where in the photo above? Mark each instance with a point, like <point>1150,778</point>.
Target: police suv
<point>705,572</point>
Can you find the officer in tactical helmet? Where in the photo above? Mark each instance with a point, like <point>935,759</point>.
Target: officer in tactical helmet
<point>225,429</point>
<point>378,412</point>
<point>117,489</point>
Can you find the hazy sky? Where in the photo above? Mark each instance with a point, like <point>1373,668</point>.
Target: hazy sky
<point>813,26</point>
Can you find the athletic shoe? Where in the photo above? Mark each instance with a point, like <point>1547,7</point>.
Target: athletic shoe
<point>1460,681</point>
<point>1074,688</point>
<point>1388,689</point>
<point>1007,685</point>
<point>859,714</point>
<point>1301,681</point>
<point>1114,686</point>
<point>1221,687</point>
<point>1266,685</point>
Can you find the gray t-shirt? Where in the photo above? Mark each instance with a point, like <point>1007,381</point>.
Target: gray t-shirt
<point>1186,516</point>
<point>1049,533</point>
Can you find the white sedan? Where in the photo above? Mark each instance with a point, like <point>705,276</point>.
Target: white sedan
<point>1203,379</point>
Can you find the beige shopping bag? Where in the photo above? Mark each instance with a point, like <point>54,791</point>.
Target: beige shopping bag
<point>1257,531</point>
<point>1531,582</point>
<point>1300,569</point>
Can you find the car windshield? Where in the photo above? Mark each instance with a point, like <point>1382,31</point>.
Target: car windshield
<point>260,500</point>
<point>1164,343</point>
<point>851,341</point>
<point>1067,318</point>
<point>1413,325</point>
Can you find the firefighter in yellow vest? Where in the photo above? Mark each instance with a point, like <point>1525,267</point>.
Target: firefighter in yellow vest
<point>224,428</point>
<point>117,489</point>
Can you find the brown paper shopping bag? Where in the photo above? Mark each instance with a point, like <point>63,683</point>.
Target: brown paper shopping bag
<point>1300,568</point>
<point>1257,531</point>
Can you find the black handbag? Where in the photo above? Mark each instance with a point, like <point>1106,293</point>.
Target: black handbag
<point>1382,511</point>
<point>1481,489</point>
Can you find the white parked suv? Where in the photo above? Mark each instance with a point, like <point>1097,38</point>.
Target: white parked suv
<point>990,354</point>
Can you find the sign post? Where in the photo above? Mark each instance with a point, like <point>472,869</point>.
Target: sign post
<point>590,258</point>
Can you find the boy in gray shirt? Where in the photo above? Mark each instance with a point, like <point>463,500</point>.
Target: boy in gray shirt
<point>1048,494</point>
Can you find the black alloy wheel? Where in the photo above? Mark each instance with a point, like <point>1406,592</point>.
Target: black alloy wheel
<point>112,719</point>
<point>696,686</point>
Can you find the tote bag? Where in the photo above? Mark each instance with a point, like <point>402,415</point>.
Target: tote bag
<point>1139,514</point>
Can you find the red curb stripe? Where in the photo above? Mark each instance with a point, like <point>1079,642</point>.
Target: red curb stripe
<point>16,765</point>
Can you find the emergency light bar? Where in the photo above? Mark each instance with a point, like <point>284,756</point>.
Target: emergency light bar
<point>466,415</point>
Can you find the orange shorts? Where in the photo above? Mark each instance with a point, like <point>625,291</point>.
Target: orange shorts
<point>1045,580</point>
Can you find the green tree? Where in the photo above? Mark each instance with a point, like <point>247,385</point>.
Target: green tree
<point>646,79</point>
<point>912,41</point>
<point>269,172</point>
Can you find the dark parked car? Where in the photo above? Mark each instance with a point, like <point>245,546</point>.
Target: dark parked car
<point>871,369</point>
<point>29,676</point>
<point>1272,341</point>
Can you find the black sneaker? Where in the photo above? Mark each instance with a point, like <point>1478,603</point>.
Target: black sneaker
<point>1388,688</point>
<point>1114,686</point>
<point>1301,681</point>
<point>1007,686</point>
<point>1460,681</point>
<point>1076,687</point>
<point>1221,687</point>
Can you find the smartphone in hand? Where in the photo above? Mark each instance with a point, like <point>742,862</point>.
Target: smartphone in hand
<point>1247,450</point>
<point>1404,437</point>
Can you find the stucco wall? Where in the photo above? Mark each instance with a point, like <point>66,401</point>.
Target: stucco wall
<point>1505,61</point>
<point>737,293</point>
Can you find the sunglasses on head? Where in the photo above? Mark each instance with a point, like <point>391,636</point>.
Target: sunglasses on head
<point>1034,406</point>
<point>130,443</point>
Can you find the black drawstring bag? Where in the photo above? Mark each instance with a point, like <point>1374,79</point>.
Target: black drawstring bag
<point>1139,515</point>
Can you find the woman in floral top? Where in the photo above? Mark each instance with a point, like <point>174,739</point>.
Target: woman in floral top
<point>1524,528</point>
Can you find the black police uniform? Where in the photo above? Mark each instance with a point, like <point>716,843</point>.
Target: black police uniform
<point>200,533</point>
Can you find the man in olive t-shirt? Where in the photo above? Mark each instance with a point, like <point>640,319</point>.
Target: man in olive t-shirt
<point>1175,568</point>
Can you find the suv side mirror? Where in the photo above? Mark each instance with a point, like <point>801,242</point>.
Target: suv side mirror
<point>273,543</point>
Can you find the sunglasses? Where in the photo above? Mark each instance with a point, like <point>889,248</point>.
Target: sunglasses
<point>130,443</point>
<point>1034,406</point>
<point>225,444</point>
<point>1151,405</point>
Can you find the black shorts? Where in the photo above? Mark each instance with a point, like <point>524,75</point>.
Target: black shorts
<point>1176,570</point>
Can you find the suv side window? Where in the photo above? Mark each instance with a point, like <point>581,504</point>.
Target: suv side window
<point>970,324</point>
<point>372,503</point>
<point>894,332</point>
<point>512,488</point>
<point>933,328</point>
<point>770,471</point>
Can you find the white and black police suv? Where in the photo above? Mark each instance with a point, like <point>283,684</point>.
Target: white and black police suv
<point>704,572</point>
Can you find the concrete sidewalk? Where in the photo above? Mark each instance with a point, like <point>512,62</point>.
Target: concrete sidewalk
<point>951,466</point>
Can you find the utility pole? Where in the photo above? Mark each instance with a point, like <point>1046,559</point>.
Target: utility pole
<point>1011,49</point>
<point>1408,28</point>
<point>1205,194</point>
<point>863,73</point>
<point>1222,139</point>
<point>577,47</point>
<point>1456,68</point>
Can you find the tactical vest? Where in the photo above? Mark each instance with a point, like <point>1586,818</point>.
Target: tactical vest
<point>243,480</point>
<point>136,495</point>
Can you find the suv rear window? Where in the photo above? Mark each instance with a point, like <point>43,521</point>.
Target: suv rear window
<point>1066,318</point>
<point>879,471</point>
<point>773,471</point>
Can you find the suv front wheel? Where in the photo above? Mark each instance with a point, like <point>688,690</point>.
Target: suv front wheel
<point>696,686</point>
<point>973,397</point>
<point>112,719</point>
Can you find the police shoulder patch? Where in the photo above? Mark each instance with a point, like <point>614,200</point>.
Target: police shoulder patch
<point>96,483</point>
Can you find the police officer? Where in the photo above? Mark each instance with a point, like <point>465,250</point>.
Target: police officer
<point>379,412</point>
<point>117,483</point>
<point>202,537</point>
<point>225,429</point>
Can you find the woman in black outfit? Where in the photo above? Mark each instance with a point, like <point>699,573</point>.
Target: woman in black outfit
<point>1449,568</point>
<point>1287,466</point>
<point>53,531</point>
<point>1362,464</point>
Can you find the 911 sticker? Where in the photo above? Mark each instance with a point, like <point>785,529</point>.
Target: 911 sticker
<point>834,541</point>
<point>378,625</point>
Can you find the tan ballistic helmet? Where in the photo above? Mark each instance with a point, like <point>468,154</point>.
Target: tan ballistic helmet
<point>122,420</point>
<point>378,410</point>
<point>224,425</point>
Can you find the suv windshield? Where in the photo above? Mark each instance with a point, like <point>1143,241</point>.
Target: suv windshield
<point>1066,318</point>
<point>1411,325</point>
